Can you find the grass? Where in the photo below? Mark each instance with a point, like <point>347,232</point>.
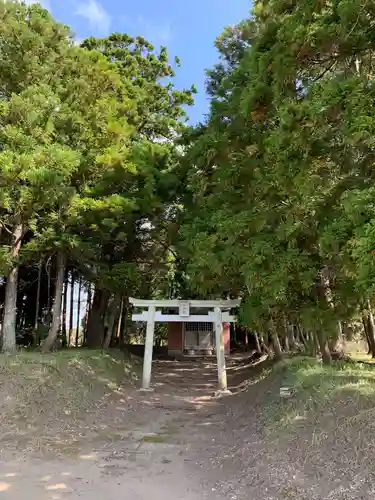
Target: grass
<point>107,367</point>
<point>319,442</point>
<point>43,394</point>
<point>156,439</point>
<point>338,394</point>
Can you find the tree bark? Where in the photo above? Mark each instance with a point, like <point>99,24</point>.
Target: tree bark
<point>10,306</point>
<point>88,307</point>
<point>48,269</point>
<point>71,310</point>
<point>291,339</point>
<point>286,343</point>
<point>324,349</point>
<point>64,307</point>
<point>336,345</point>
<point>257,343</point>
<point>303,337</point>
<point>124,337</point>
<point>277,346</point>
<point>370,327</point>
<point>53,333</point>
<point>95,327</point>
<point>371,333</point>
<point>314,343</point>
<point>365,330</point>
<point>119,322</point>
<point>37,302</point>
<point>78,310</point>
<point>263,345</point>
<point>112,320</point>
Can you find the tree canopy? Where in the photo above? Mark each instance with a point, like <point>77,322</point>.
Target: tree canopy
<point>283,166</point>
<point>104,184</point>
<point>87,158</point>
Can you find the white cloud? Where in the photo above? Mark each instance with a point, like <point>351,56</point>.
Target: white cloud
<point>98,18</point>
<point>44,3</point>
<point>154,32</point>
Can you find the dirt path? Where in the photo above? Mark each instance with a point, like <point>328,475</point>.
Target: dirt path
<point>181,442</point>
<point>156,445</point>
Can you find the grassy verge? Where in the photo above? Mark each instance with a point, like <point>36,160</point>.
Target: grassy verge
<point>48,394</point>
<point>326,398</point>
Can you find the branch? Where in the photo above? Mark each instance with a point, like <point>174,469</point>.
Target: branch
<point>4,226</point>
<point>325,71</point>
<point>166,246</point>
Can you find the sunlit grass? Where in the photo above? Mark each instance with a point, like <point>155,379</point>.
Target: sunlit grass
<point>320,391</point>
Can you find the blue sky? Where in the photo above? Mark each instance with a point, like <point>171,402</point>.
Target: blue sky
<point>187,27</point>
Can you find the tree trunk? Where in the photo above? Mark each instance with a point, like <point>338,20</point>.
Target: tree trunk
<point>10,305</point>
<point>303,337</point>
<point>64,307</point>
<point>298,335</point>
<point>53,333</point>
<point>286,343</point>
<point>95,327</point>
<point>290,334</point>
<point>71,310</point>
<point>314,343</point>
<point>277,346</point>
<point>119,322</point>
<point>37,302</point>
<point>114,341</point>
<point>88,307</point>
<point>365,329</point>
<point>324,349</point>
<point>235,334</point>
<point>371,333</point>
<point>257,343</point>
<point>48,269</point>
<point>336,345</point>
<point>124,337</point>
<point>263,345</point>
<point>78,310</point>
<point>370,327</point>
<point>112,320</point>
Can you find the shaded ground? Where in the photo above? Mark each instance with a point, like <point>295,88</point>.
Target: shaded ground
<point>182,442</point>
<point>130,442</point>
<point>317,444</point>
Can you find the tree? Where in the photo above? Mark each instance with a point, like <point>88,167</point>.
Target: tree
<point>59,143</point>
<point>125,232</point>
<point>286,142</point>
<point>33,167</point>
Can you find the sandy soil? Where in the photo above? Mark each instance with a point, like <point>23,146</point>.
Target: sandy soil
<point>153,445</point>
<point>182,442</point>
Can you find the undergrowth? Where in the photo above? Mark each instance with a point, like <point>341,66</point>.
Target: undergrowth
<point>324,396</point>
<point>45,393</point>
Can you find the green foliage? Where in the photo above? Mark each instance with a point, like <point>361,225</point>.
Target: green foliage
<point>280,203</point>
<point>88,153</point>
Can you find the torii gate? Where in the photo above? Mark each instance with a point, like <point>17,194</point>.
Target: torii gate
<point>217,317</point>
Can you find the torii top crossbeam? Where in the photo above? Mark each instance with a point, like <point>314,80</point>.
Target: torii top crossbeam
<point>209,304</point>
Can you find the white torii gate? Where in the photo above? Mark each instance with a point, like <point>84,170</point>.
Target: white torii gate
<point>217,317</point>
